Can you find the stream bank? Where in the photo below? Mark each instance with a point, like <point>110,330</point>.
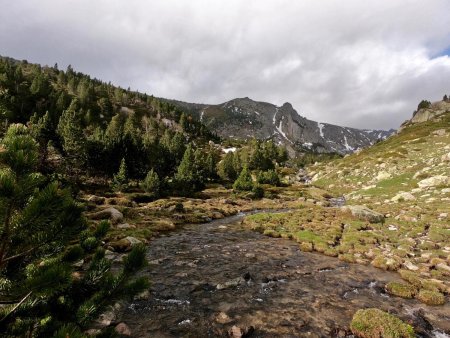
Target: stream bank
<point>219,279</point>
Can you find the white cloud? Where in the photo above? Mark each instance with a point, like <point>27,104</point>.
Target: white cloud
<point>352,62</point>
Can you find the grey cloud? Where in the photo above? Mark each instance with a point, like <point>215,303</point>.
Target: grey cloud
<point>359,63</point>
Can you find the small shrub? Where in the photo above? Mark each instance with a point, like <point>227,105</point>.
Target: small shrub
<point>89,244</point>
<point>258,191</point>
<point>102,229</point>
<point>135,260</point>
<point>73,253</point>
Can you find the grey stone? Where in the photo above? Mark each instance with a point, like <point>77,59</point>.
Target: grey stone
<point>114,215</point>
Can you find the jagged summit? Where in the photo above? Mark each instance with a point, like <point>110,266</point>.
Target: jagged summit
<point>244,118</point>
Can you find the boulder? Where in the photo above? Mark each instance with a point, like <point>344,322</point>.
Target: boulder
<point>383,175</point>
<point>439,132</point>
<point>126,226</point>
<point>144,295</point>
<point>133,241</point>
<point>445,157</point>
<point>125,244</point>
<point>114,215</point>
<point>123,329</point>
<point>238,332</point>
<point>109,316</point>
<point>403,196</point>
<point>96,199</point>
<point>433,181</point>
<point>410,266</point>
<point>231,283</point>
<point>223,318</point>
<point>364,213</point>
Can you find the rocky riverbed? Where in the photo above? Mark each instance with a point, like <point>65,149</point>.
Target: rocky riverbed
<point>220,279</point>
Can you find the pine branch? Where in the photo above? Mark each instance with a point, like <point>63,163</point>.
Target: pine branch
<point>19,255</point>
<point>15,307</point>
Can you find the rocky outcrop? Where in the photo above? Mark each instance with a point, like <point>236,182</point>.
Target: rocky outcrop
<point>244,118</point>
<point>435,110</point>
<point>364,213</point>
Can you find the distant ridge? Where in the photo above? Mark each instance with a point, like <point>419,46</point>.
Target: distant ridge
<point>243,118</point>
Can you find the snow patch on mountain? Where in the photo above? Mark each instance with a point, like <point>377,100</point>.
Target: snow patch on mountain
<point>320,126</point>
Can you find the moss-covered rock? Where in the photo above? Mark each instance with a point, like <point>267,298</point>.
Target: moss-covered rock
<point>306,247</point>
<point>401,289</point>
<point>431,297</point>
<point>387,263</point>
<point>411,277</point>
<point>374,323</point>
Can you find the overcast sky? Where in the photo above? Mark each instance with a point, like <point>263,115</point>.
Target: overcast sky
<point>358,63</point>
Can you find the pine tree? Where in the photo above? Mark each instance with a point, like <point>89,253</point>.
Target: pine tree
<point>178,146</point>
<point>152,184</point>
<point>211,165</point>
<point>238,163</point>
<point>120,180</point>
<point>187,178</point>
<point>42,131</point>
<point>424,104</point>
<point>71,132</point>
<point>226,168</point>
<point>259,159</point>
<point>244,182</point>
<point>40,228</point>
<point>283,155</point>
<point>184,122</point>
<point>269,177</point>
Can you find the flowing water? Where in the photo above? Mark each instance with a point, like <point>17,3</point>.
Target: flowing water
<point>208,278</point>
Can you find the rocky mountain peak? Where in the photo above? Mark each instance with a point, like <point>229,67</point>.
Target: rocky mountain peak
<point>243,118</point>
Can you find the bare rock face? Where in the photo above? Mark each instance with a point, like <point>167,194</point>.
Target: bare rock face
<point>244,118</point>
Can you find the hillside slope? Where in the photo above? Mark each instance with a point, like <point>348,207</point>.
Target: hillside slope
<point>407,179</point>
<point>244,118</point>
